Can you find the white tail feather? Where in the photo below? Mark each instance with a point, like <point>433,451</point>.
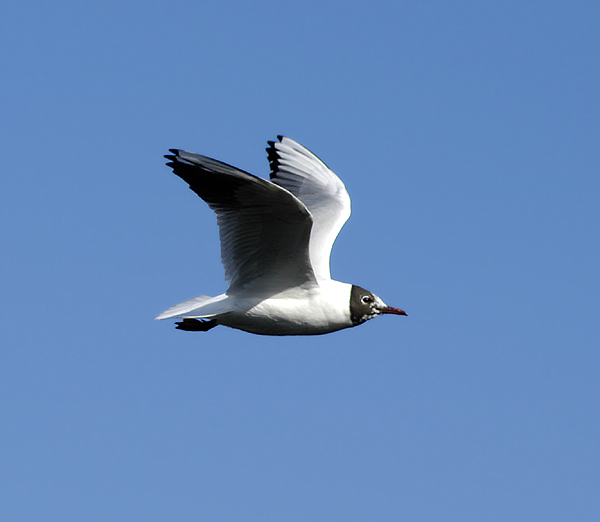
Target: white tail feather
<point>201,306</point>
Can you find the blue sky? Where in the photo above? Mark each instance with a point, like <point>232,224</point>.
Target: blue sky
<point>467,136</point>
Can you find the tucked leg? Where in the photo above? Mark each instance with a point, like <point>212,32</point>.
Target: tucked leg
<point>196,325</point>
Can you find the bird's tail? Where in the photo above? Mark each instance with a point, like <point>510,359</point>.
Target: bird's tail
<point>199,307</point>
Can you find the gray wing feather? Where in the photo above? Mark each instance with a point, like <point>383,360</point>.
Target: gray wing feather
<point>264,229</point>
<point>298,170</point>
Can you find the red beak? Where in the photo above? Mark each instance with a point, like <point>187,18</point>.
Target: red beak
<point>391,310</point>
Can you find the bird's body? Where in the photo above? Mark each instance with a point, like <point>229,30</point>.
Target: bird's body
<point>295,311</point>
<point>276,238</point>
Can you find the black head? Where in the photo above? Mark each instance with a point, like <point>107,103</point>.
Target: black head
<point>365,305</point>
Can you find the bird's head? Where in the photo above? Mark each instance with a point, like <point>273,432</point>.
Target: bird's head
<point>365,305</point>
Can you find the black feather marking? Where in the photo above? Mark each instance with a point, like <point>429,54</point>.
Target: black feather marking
<point>273,157</point>
<point>276,221</point>
<point>195,325</point>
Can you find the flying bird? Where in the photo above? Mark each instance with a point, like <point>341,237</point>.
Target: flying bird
<point>276,239</point>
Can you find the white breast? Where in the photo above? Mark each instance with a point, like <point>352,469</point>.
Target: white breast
<point>296,311</point>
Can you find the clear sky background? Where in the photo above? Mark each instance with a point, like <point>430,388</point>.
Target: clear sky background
<point>467,134</point>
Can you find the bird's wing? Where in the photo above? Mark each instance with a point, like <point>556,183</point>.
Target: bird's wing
<point>298,170</point>
<point>264,229</point>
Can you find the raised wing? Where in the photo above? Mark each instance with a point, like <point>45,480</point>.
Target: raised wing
<point>264,229</point>
<point>298,170</point>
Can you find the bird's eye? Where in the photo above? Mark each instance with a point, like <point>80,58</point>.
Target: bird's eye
<point>367,299</point>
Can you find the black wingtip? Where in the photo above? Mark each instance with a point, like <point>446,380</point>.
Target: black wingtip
<point>172,158</point>
<point>271,144</point>
<point>273,158</point>
<point>172,162</point>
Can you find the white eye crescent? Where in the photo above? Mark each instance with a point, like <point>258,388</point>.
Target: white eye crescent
<point>366,299</point>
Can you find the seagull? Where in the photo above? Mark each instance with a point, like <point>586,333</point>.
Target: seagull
<point>276,239</point>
